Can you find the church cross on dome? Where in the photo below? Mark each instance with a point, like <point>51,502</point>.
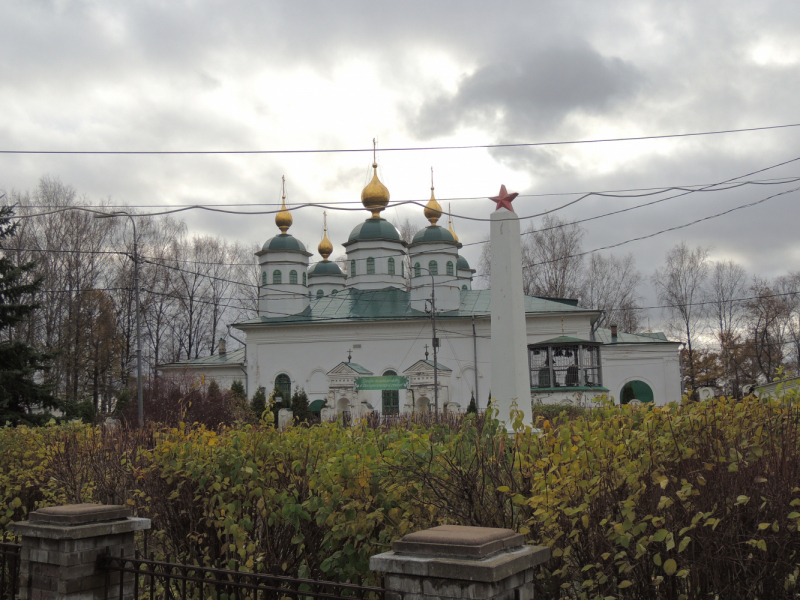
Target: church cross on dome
<point>503,199</point>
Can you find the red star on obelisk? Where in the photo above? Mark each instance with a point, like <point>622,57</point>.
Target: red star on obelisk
<point>504,199</point>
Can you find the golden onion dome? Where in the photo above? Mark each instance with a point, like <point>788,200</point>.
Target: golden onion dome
<point>375,197</point>
<point>325,247</point>
<point>432,209</point>
<point>450,222</point>
<point>284,218</point>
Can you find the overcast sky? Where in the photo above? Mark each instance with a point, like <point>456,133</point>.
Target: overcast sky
<point>152,76</point>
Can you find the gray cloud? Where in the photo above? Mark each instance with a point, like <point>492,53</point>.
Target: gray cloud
<point>533,96</point>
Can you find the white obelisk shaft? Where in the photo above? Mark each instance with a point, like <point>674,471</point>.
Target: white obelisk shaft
<point>510,370</point>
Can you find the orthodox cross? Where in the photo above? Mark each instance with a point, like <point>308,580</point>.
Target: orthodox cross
<point>426,351</point>
<point>349,355</point>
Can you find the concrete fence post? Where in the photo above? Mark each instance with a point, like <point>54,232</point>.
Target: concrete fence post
<point>61,546</point>
<point>456,562</point>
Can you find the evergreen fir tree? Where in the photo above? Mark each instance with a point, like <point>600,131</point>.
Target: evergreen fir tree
<point>473,406</point>
<point>237,389</point>
<point>20,363</point>
<point>300,409</point>
<point>259,402</point>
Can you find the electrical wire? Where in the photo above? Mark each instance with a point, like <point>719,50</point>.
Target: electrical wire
<point>401,149</point>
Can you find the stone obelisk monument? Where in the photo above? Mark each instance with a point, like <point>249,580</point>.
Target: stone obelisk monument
<point>510,370</point>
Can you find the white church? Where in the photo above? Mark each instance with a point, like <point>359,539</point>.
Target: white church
<point>361,341</point>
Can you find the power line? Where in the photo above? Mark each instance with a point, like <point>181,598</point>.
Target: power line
<point>399,149</point>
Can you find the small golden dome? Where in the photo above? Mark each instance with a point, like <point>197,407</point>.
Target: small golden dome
<point>325,247</point>
<point>432,209</point>
<point>375,197</point>
<point>450,222</point>
<point>284,218</point>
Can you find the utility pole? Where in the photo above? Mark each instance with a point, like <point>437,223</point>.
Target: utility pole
<point>435,347</point>
<point>138,314</point>
<point>475,352</point>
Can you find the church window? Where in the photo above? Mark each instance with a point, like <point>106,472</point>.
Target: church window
<point>565,365</point>
<point>304,279</point>
<point>320,293</point>
<point>333,293</point>
<point>391,266</point>
<point>370,266</point>
<point>464,287</point>
<point>352,268</point>
<point>283,387</point>
<point>276,276</point>
<point>263,278</point>
<point>449,267</point>
<point>433,267</point>
<point>292,276</point>
<point>402,268</point>
<point>390,399</point>
<point>417,271</point>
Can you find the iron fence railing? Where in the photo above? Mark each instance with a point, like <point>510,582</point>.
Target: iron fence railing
<point>172,581</point>
<point>9,570</point>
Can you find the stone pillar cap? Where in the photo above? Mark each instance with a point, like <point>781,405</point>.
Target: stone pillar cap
<point>459,541</point>
<point>79,514</point>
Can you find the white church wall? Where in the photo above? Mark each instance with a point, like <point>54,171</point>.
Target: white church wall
<point>655,364</point>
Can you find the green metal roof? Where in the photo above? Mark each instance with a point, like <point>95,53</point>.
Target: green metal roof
<point>564,339</point>
<point>433,233</point>
<point>229,359</point>
<point>284,242</point>
<point>574,388</point>
<point>358,368</point>
<point>462,264</point>
<point>326,267</point>
<point>374,229</point>
<point>393,304</point>
<point>604,336</point>
<point>439,366</point>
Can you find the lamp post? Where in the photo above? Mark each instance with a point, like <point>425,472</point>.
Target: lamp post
<point>138,313</point>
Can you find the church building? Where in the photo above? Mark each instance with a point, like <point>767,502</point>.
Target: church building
<point>362,340</point>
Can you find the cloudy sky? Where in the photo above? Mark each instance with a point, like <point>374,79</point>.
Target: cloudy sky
<point>176,76</point>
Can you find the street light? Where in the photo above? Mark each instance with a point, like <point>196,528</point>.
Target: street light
<point>138,314</point>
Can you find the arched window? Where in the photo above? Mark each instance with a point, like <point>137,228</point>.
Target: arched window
<point>293,276</point>
<point>417,271</point>
<point>333,293</point>
<point>391,266</point>
<point>390,399</point>
<point>263,278</point>
<point>403,268</point>
<point>464,287</point>
<point>449,267</point>
<point>304,279</point>
<point>276,276</point>
<point>283,387</point>
<point>433,267</point>
<point>320,293</point>
<point>370,266</point>
<point>352,268</point>
<point>635,390</point>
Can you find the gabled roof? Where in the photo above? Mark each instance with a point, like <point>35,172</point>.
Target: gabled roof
<point>229,359</point>
<point>394,304</point>
<point>349,368</point>
<point>565,339</point>
<point>604,336</point>
<point>426,365</point>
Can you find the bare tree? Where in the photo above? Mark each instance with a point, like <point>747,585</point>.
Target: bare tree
<point>551,265</point>
<point>680,286</point>
<point>727,285</point>
<point>610,284</point>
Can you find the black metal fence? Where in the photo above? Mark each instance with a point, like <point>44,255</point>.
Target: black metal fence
<point>9,570</point>
<point>171,581</point>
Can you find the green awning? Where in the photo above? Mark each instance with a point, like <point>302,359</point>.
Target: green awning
<point>317,405</point>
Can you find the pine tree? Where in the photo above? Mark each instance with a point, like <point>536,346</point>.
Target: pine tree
<point>300,409</point>
<point>20,363</point>
<point>259,402</point>
<point>473,406</point>
<point>237,389</point>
